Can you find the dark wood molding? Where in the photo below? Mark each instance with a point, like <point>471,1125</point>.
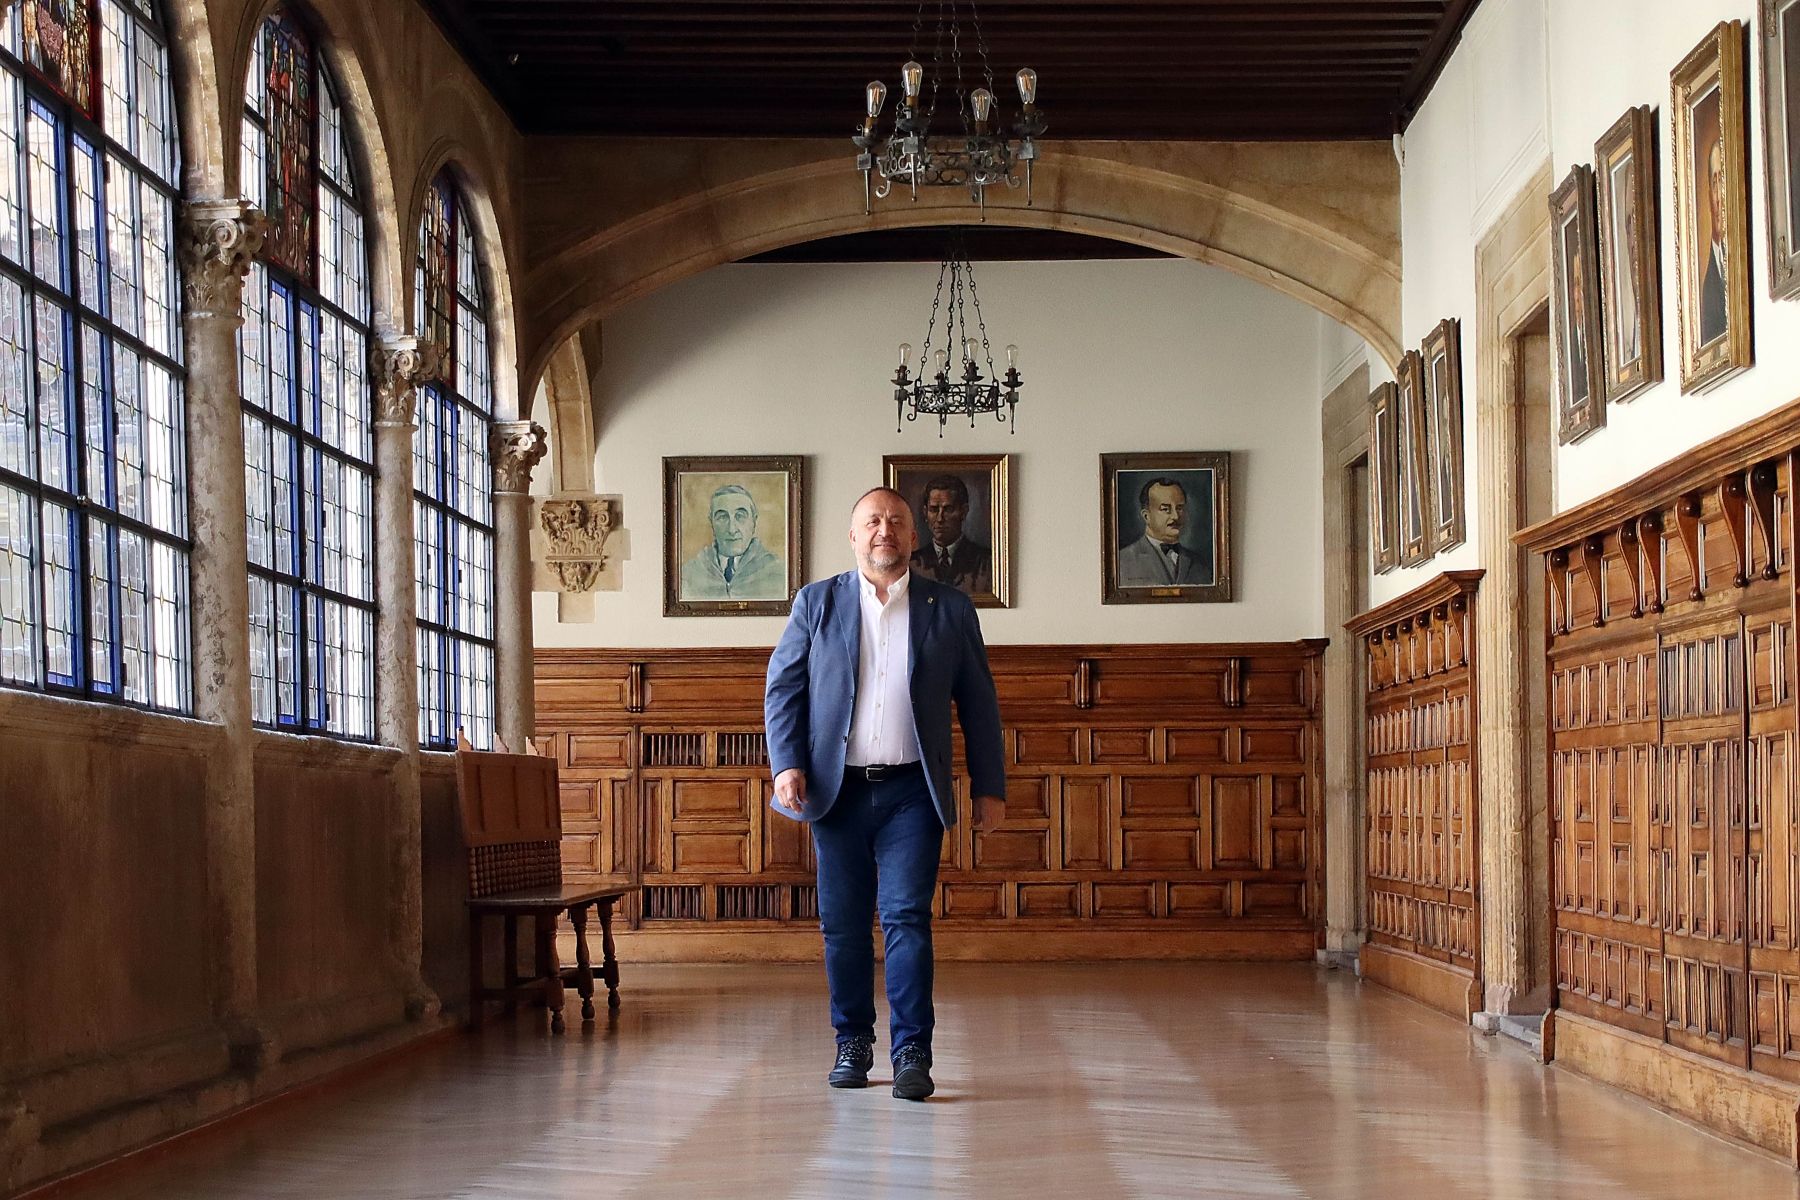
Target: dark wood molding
<point>1439,589</point>
<point>1766,438</point>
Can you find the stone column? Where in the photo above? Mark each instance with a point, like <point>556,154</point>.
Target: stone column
<point>516,447</point>
<point>398,366</point>
<point>218,241</point>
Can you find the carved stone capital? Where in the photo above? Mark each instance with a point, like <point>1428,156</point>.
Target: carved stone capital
<point>516,447</point>
<point>575,532</point>
<point>219,240</point>
<point>576,575</point>
<point>398,366</point>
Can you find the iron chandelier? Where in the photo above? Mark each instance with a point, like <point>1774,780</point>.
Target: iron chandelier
<point>980,157</point>
<point>970,392</point>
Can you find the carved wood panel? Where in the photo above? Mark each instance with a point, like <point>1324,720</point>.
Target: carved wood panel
<point>1148,787</point>
<point>1672,723</point>
<point>1422,870</point>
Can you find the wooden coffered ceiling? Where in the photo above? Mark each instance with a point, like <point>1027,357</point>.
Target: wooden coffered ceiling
<point>1180,69</point>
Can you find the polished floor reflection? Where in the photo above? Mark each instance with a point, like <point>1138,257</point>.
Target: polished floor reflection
<point>1124,1080</point>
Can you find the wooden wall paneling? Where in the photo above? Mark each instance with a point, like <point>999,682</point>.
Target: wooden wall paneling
<point>1422,818</point>
<point>1158,787</point>
<point>1676,881</point>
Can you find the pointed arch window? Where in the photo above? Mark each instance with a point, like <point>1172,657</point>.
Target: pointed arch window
<point>303,368</point>
<point>453,525</point>
<point>93,489</point>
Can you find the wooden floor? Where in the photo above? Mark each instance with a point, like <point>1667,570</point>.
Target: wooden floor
<point>1120,1080</point>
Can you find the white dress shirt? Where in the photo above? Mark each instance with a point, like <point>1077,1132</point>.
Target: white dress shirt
<point>881,726</point>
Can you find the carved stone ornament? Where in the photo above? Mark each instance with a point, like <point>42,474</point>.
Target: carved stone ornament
<point>516,447</point>
<point>577,574</point>
<point>219,240</point>
<point>399,366</point>
<point>575,532</point>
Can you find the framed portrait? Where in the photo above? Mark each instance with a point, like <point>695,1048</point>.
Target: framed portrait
<point>1575,296</point>
<point>733,535</point>
<point>1712,210</point>
<point>1384,415</point>
<point>1412,458</point>
<point>1167,527</point>
<point>1781,137</point>
<point>1630,270</point>
<point>1442,360</point>
<point>962,507</point>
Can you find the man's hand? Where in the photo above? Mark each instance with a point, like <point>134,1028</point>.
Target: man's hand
<point>790,789</point>
<point>989,812</point>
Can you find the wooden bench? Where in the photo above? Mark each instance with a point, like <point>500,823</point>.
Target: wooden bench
<point>512,825</point>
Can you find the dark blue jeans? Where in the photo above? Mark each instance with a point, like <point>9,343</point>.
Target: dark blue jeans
<point>878,848</point>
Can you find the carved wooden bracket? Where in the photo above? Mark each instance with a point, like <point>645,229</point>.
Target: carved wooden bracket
<point>1593,565</point>
<point>1633,558</point>
<point>1732,502</point>
<point>1687,528</point>
<point>1556,567</point>
<point>1232,685</point>
<point>634,688</point>
<point>1084,683</point>
<point>1650,541</point>
<point>1762,509</point>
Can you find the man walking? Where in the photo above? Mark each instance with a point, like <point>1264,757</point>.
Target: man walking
<point>857,710</point>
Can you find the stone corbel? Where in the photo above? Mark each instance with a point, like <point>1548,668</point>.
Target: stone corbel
<point>399,366</point>
<point>576,529</point>
<point>516,447</point>
<point>219,240</point>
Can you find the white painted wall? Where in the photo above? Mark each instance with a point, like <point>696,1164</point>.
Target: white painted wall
<point>1477,140</point>
<point>1605,57</point>
<point>1544,79</point>
<point>1118,356</point>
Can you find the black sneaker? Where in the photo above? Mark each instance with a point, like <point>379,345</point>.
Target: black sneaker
<point>854,1058</point>
<point>912,1073</point>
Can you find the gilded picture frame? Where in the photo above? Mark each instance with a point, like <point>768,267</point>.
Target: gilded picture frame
<point>1709,120</point>
<point>1781,142</point>
<point>734,534</point>
<point>1146,498</point>
<point>1575,300</point>
<point>1442,360</point>
<point>962,508</point>
<point>1412,457</point>
<point>1384,416</point>
<point>1630,261</point>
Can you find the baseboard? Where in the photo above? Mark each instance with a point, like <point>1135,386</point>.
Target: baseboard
<point>964,945</point>
<point>1448,989</point>
<point>1737,1103</point>
<point>78,1154</point>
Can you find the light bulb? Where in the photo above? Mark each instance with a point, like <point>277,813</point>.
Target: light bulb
<point>912,78</point>
<point>905,354</point>
<point>1012,357</point>
<point>939,358</point>
<point>876,93</point>
<point>969,349</point>
<point>981,102</point>
<point>1027,86</point>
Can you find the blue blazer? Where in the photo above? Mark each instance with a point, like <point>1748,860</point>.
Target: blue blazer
<point>811,691</point>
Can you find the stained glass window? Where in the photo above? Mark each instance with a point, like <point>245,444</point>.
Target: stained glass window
<point>303,368</point>
<point>453,526</point>
<point>93,487</point>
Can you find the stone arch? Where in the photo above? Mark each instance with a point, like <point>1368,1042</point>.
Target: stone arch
<point>478,202</point>
<point>390,284</point>
<point>1272,214</point>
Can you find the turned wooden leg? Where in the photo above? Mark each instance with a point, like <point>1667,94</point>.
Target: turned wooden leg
<point>512,964</point>
<point>549,968</point>
<point>584,967</point>
<point>476,974</point>
<point>609,964</point>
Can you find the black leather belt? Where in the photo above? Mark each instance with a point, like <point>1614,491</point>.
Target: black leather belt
<point>881,772</point>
